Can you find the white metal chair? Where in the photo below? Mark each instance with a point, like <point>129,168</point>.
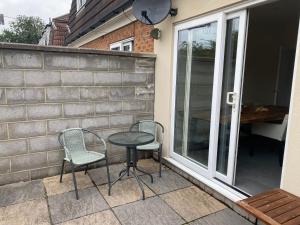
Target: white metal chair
<point>273,131</point>
<point>76,153</point>
<point>157,130</point>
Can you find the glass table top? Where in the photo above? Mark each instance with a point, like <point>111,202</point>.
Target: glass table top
<point>131,138</point>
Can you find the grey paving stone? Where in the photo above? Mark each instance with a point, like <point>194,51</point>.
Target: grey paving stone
<point>224,217</point>
<point>65,207</point>
<point>21,192</point>
<point>169,181</point>
<point>27,213</point>
<point>152,211</point>
<point>99,175</point>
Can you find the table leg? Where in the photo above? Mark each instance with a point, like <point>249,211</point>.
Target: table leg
<point>139,183</point>
<point>151,177</point>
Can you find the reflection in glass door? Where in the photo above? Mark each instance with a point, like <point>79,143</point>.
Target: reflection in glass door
<point>208,78</point>
<point>195,75</point>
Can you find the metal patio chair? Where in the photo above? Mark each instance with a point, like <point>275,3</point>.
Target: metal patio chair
<point>76,153</point>
<point>157,130</point>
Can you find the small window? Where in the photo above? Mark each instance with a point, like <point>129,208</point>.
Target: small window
<point>80,4</point>
<point>125,45</point>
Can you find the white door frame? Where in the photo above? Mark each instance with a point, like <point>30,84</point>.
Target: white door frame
<point>221,19</point>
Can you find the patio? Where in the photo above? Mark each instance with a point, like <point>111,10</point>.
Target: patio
<point>169,200</point>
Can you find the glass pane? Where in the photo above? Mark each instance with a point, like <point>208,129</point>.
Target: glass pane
<point>201,89</point>
<point>227,86</point>
<point>180,89</point>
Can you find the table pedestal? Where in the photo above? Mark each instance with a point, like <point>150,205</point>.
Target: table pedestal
<point>132,158</point>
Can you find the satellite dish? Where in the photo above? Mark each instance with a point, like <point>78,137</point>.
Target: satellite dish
<point>152,11</point>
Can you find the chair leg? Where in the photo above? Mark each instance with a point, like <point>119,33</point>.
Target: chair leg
<point>108,176</point>
<point>160,159</point>
<point>62,170</point>
<point>86,169</point>
<point>74,181</point>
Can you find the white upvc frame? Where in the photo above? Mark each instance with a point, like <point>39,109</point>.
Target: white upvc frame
<point>80,4</point>
<point>236,110</point>
<point>122,44</point>
<point>210,171</point>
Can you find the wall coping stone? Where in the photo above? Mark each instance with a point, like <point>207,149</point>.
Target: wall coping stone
<point>63,49</point>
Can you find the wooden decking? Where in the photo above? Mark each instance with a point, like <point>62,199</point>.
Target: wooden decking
<point>274,207</point>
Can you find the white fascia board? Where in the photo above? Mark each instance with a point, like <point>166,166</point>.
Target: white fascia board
<point>120,20</point>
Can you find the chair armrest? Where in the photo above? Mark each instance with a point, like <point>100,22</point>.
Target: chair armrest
<point>98,137</point>
<point>67,152</point>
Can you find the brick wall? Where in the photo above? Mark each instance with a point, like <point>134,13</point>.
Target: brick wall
<point>44,90</point>
<point>143,42</point>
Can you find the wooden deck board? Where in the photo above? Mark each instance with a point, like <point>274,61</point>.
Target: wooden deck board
<point>274,207</point>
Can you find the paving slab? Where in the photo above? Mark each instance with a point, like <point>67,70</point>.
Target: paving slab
<point>152,211</point>
<point>33,212</point>
<point>223,217</point>
<point>21,192</point>
<point>54,187</point>
<point>150,165</point>
<point>123,192</point>
<point>99,175</point>
<point>101,218</point>
<point>170,181</point>
<point>64,207</point>
<point>191,203</point>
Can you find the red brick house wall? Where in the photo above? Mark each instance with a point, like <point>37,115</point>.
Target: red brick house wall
<point>143,42</point>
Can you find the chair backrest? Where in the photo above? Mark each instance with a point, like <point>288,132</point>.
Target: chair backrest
<point>73,141</point>
<point>284,126</point>
<point>149,126</point>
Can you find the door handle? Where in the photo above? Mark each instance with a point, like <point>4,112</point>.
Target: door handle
<point>231,98</point>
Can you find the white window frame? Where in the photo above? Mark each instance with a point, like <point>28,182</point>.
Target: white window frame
<point>122,44</point>
<point>80,4</point>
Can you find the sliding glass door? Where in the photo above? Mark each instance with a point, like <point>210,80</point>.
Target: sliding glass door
<point>208,75</point>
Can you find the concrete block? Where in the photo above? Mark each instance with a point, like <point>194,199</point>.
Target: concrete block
<point>42,144</point>
<point>4,165</point>
<point>78,109</point>
<point>95,123</point>
<point>3,132</point>
<point>44,172</point>
<point>151,78</point>
<point>106,133</point>
<point>121,63</point>
<point>55,157</point>
<point>146,92</point>
<point>55,126</point>
<point>2,96</point>
<point>144,116</point>
<point>94,93</point>
<point>30,161</point>
<point>22,59</point>
<point>134,79</point>
<point>9,178</point>
<point>45,111</point>
<point>121,120</point>
<point>25,95</point>
<point>108,107</point>
<point>60,61</point>
<point>13,147</point>
<point>42,78</point>
<point>93,62</point>
<point>108,78</point>
<point>12,113</point>
<point>134,106</point>
<point>77,78</point>
<point>61,94</point>
<point>27,129</point>
<point>11,78</point>
<point>122,93</point>
<point>150,106</point>
<point>145,65</point>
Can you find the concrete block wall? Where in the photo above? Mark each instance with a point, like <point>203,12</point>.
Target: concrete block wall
<point>44,90</point>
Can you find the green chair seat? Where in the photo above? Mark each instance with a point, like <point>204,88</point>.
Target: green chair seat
<point>79,158</point>
<point>152,146</point>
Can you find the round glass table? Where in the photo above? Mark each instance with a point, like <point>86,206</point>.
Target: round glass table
<point>131,140</point>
